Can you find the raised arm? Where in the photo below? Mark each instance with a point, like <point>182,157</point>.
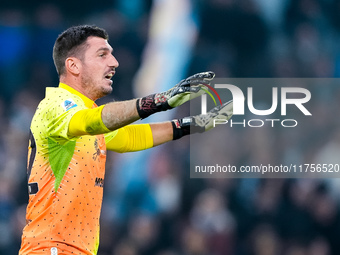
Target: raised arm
<point>119,114</point>
<point>116,115</point>
<point>144,136</point>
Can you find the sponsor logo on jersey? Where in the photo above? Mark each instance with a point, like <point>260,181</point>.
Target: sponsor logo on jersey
<point>99,182</point>
<point>68,104</point>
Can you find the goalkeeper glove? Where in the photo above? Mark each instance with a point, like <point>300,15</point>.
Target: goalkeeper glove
<point>203,122</point>
<point>184,91</point>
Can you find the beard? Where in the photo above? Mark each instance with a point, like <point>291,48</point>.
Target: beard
<point>96,89</point>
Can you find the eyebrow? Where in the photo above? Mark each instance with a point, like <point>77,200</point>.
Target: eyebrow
<point>104,49</point>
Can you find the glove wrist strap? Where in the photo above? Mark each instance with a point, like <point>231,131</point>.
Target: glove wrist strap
<point>179,130</point>
<point>147,106</point>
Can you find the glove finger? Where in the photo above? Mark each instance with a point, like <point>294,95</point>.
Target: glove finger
<point>198,78</point>
<point>197,88</point>
<point>204,75</point>
<point>192,89</point>
<point>221,112</point>
<point>225,110</point>
<point>195,82</point>
<point>188,89</point>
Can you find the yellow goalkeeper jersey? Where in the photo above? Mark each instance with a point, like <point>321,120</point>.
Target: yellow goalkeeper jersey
<point>65,179</point>
<point>66,176</point>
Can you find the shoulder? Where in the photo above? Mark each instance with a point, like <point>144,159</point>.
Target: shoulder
<point>55,111</point>
<point>58,101</point>
<point>58,104</point>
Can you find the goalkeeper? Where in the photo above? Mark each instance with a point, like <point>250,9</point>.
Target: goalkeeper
<point>70,135</point>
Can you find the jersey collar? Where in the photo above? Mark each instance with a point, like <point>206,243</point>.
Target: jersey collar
<point>88,102</point>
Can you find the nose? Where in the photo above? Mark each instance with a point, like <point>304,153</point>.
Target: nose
<point>113,62</point>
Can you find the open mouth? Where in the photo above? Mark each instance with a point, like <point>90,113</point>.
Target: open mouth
<point>109,76</point>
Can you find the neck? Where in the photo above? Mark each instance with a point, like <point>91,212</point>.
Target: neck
<point>74,82</point>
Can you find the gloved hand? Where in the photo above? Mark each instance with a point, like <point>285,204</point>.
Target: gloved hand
<point>184,91</point>
<point>203,122</point>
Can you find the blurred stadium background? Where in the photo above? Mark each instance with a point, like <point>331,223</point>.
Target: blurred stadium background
<point>151,206</point>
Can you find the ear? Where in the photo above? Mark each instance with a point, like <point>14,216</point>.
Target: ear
<point>73,65</point>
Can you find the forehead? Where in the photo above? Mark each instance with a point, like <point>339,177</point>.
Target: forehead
<point>97,43</point>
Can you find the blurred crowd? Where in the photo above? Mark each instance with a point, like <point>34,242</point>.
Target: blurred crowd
<point>170,213</point>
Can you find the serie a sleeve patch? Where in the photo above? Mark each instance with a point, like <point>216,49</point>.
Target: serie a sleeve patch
<point>68,104</point>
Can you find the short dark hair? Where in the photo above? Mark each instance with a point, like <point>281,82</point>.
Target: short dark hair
<point>71,42</point>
